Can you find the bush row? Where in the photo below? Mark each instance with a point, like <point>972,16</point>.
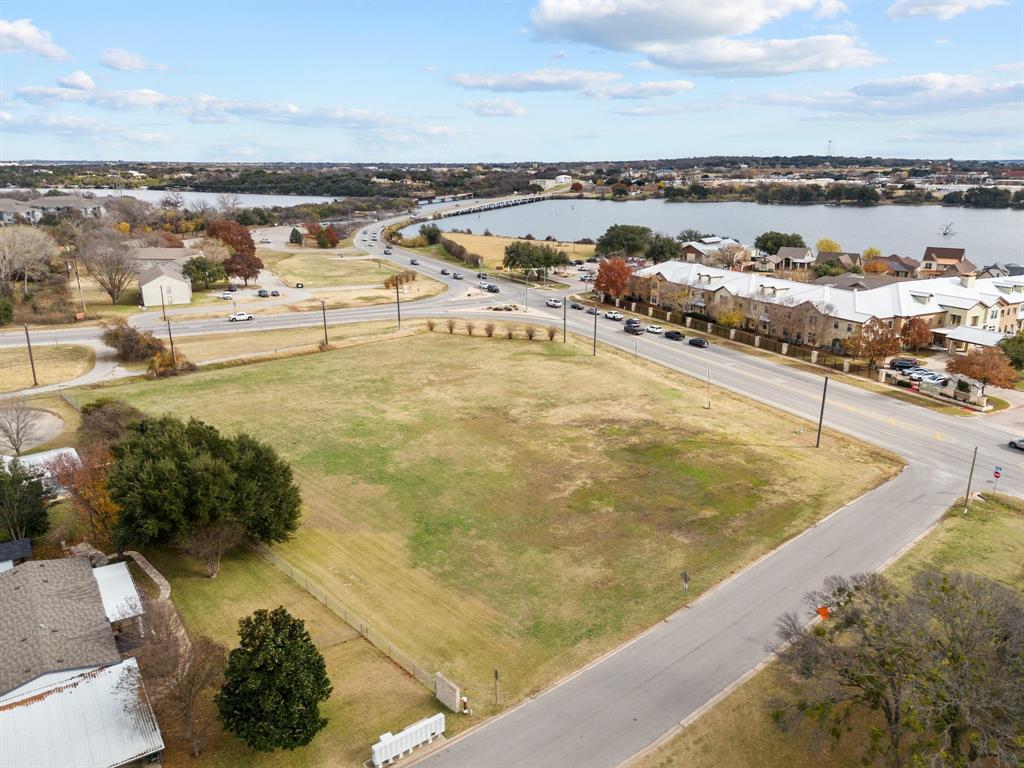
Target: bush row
<point>488,329</point>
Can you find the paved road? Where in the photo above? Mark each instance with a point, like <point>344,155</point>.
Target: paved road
<point>610,711</point>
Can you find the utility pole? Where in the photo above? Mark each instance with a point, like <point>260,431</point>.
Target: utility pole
<point>821,414</point>
<point>970,479</point>
<point>323,309</point>
<point>163,307</point>
<point>78,277</point>
<point>495,687</point>
<point>174,358</point>
<point>595,328</point>
<point>707,396</point>
<point>565,318</point>
<point>31,359</point>
<point>398,304</point>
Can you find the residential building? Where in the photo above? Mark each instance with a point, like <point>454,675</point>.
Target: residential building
<point>38,464</point>
<point>563,178</point>
<point>14,552</point>
<point>164,284</point>
<point>901,266</point>
<point>17,212</point>
<point>792,257</point>
<point>705,250</point>
<point>854,281</point>
<point>151,256</point>
<point>936,260</point>
<point>57,204</point>
<point>845,259</point>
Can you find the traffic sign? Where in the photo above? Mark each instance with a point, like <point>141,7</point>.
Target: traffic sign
<point>997,474</point>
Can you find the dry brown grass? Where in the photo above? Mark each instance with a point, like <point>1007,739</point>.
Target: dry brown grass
<point>54,364</point>
<point>492,249</point>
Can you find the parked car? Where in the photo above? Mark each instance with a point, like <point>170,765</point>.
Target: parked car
<point>673,335</point>
<point>482,285</point>
<point>232,288</point>
<point>654,329</point>
<point>938,379</point>
<point>263,293</point>
<point>919,374</point>
<point>632,321</point>
<point>556,303</point>
<point>586,278</point>
<point>481,275</point>
<point>444,271</point>
<point>592,260</point>
<point>575,305</point>
<point>636,330</point>
<point>902,363</point>
<point>613,315</point>
<point>492,288</point>
<point>593,311</point>
<point>300,285</point>
<point>227,295</point>
<point>1017,443</point>
<point>698,341</point>
<point>577,262</point>
<point>275,293</point>
<point>238,316</point>
<point>414,262</point>
<point>457,276</point>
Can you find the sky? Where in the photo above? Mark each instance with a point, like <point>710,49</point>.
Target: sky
<point>546,80</point>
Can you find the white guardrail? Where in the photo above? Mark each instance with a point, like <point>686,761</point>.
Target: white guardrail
<point>394,745</point>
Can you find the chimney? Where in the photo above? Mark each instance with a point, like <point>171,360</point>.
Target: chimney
<point>967,281</point>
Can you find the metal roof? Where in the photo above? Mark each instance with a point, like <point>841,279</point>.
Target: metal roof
<point>117,591</point>
<point>100,718</point>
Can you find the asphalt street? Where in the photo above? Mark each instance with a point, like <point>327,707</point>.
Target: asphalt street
<point>608,712</point>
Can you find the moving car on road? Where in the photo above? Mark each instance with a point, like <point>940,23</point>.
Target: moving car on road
<point>654,329</point>
<point>1017,443</point>
<point>275,293</point>
<point>414,262</point>
<point>238,316</point>
<point>697,341</point>
<point>232,288</point>
<point>673,335</point>
<point>300,285</point>
<point>556,303</point>
<point>263,293</point>
<point>457,276</point>
<point>613,315</point>
<point>636,330</point>
<point>445,271</point>
<point>575,305</point>
<point>492,288</point>
<point>593,311</point>
<point>227,295</point>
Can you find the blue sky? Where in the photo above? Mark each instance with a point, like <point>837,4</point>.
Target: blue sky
<point>544,80</point>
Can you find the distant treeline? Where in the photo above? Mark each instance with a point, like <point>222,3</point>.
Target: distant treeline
<point>793,194</point>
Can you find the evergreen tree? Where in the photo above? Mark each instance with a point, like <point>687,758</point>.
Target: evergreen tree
<point>296,237</point>
<point>24,503</point>
<point>274,683</point>
<point>322,241</point>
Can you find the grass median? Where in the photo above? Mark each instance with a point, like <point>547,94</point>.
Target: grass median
<point>326,268</point>
<point>521,506</point>
<point>54,363</point>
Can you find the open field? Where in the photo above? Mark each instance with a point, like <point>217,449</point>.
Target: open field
<point>492,504</point>
<point>247,340</point>
<point>739,731</point>
<point>54,364</point>
<point>371,695</point>
<point>493,248</point>
<point>324,268</point>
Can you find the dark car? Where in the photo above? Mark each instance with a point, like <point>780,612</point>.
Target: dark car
<point>457,276</point>
<point>414,262</point>
<point>575,305</point>
<point>697,341</point>
<point>592,260</point>
<point>578,262</point>
<point>275,293</point>
<point>263,293</point>
<point>445,272</point>
<point>903,363</point>
<point>632,321</point>
<point>492,288</point>
<point>593,311</point>
<point>673,335</point>
<point>481,275</point>
<point>300,285</point>
<point>636,330</point>
<point>232,288</point>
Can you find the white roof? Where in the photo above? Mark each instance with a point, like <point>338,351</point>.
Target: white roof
<point>100,718</point>
<point>117,591</point>
<point>41,458</point>
<point>978,336</point>
<point>909,298</point>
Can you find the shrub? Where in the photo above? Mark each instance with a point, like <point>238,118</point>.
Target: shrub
<point>489,329</point>
<point>130,343</point>
<point>470,327</point>
<point>163,365</point>
<point>551,330</point>
<point>6,310</point>
<point>510,331</point>
<point>451,325</point>
<point>106,420</point>
<point>431,233</point>
<point>530,331</point>
<point>431,324</point>
<point>488,233</point>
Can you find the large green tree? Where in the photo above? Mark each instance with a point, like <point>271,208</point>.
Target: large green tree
<point>274,683</point>
<point>523,254</point>
<point>1013,348</point>
<point>24,502</point>
<point>624,240</point>
<point>663,248</point>
<point>431,233</point>
<point>203,272</point>
<point>772,241</point>
<point>176,481</point>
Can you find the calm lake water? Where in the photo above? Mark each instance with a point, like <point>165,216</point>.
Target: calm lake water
<point>988,235</point>
<point>246,201</point>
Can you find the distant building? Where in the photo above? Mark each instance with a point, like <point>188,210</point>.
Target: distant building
<point>93,207</point>
<point>901,266</point>
<point>563,178</point>
<point>845,259</point>
<point>936,260</point>
<point>15,212</point>
<point>789,257</point>
<point>164,284</point>
<point>703,251</point>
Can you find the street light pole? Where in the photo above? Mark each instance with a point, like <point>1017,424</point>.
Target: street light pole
<point>174,358</point>
<point>821,414</point>
<point>78,278</point>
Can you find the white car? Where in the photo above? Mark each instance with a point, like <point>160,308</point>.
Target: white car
<point>613,315</point>
<point>653,329</point>
<point>239,316</point>
<point>556,303</point>
<point>483,285</point>
<point>227,295</point>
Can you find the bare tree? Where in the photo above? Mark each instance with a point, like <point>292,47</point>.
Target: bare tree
<point>208,545</point>
<point>450,324</point>
<point>18,423</point>
<point>135,212</point>
<point>730,256</point>
<point>173,200</point>
<point>228,204</point>
<point>178,673</point>
<point>489,329</point>
<point>111,262</point>
<point>24,252</point>
<point>470,327</point>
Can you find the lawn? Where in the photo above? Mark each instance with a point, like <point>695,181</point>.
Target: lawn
<point>483,514</point>
<point>492,249</point>
<point>738,731</point>
<point>325,269</point>
<point>371,695</point>
<point>54,364</point>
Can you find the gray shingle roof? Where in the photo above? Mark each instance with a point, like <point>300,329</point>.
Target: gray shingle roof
<point>18,549</point>
<point>53,620</point>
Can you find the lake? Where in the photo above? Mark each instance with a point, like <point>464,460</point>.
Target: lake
<point>210,198</point>
<point>988,235</point>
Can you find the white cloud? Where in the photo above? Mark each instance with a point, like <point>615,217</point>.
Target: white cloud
<point>116,58</point>
<point>943,10</point>
<point>141,98</point>
<point>537,80</point>
<point>22,36</point>
<point>942,41</point>
<point>642,64</point>
<point>645,90</point>
<point>702,37</point>
<point>82,128</point>
<point>77,80</point>
<point>495,107</point>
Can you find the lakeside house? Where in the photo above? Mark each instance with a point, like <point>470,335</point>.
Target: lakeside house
<point>163,284</point>
<point>937,260</point>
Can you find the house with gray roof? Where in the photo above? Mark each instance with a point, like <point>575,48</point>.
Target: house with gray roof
<point>164,284</point>
<point>13,552</point>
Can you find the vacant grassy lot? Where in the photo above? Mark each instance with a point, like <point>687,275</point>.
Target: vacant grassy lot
<point>371,695</point>
<point>738,731</point>
<point>54,364</point>
<point>493,248</point>
<point>514,505</point>
<point>325,268</point>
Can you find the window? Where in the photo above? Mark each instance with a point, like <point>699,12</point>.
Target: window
<point>974,321</point>
<point>835,325</point>
<point>849,328</point>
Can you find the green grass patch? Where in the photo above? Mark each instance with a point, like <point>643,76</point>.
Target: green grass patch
<point>326,269</point>
<point>493,504</point>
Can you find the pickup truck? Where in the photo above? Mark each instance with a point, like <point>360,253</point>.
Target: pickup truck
<point>239,316</point>
<point>613,315</point>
